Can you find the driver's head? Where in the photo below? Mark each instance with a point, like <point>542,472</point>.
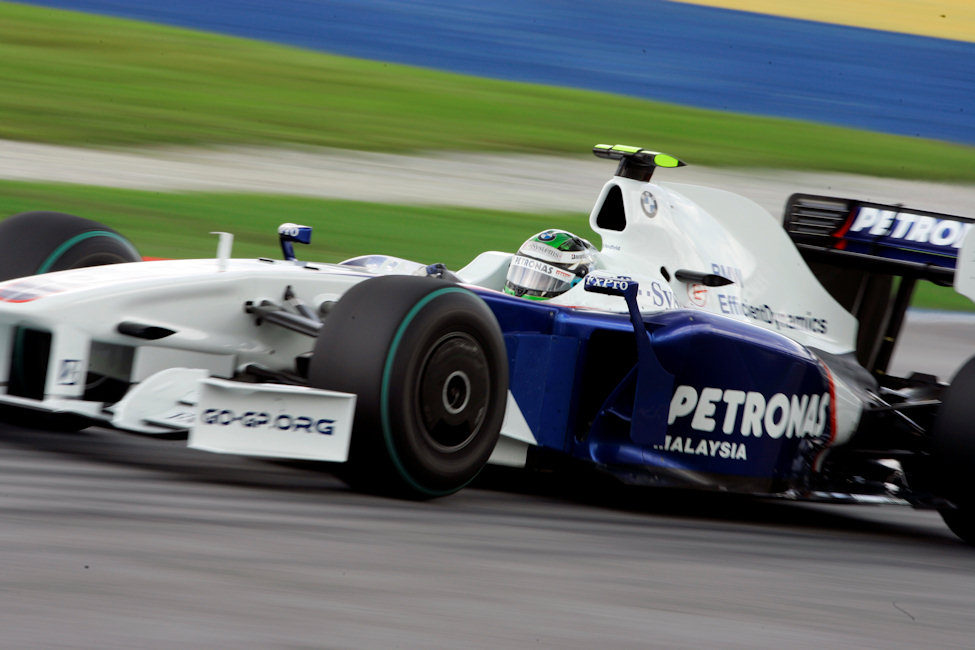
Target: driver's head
<point>549,264</point>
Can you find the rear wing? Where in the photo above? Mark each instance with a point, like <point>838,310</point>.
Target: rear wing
<point>869,256</point>
<point>882,238</point>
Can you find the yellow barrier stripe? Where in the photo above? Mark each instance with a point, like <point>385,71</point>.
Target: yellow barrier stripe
<point>950,19</point>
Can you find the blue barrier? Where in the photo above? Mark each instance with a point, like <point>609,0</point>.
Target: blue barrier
<point>692,55</point>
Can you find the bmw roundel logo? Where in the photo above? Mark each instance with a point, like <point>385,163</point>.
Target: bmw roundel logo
<point>648,203</point>
<point>548,235</point>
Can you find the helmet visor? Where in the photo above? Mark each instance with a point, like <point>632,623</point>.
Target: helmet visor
<point>536,278</point>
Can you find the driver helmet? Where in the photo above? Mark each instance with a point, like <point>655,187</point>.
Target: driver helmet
<point>549,264</point>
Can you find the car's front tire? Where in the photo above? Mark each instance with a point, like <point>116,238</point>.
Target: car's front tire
<point>427,362</point>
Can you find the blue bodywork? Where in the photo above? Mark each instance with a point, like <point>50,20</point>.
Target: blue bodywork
<point>701,399</point>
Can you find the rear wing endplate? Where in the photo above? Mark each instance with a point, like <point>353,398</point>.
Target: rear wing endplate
<point>965,271</point>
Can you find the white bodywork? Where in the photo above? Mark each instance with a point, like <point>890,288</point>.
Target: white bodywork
<point>709,231</point>
<point>667,228</point>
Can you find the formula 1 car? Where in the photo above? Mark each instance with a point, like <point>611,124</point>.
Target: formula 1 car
<point>702,350</point>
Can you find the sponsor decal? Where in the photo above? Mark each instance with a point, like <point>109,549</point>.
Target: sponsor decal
<point>697,294</point>
<point>542,267</point>
<point>659,295</point>
<point>264,420</point>
<point>649,204</point>
<point>704,447</point>
<point>733,306</point>
<point>549,254</point>
<point>909,227</point>
<point>750,414</point>
<point>295,232</point>
<point>614,283</point>
<point>69,373</point>
<point>733,273</point>
<point>289,229</point>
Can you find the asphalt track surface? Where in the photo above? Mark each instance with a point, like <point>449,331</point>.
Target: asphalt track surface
<point>698,56</point>
<point>109,540</point>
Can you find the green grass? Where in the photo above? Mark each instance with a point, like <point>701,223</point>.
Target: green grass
<point>163,224</point>
<point>89,80</point>
<point>931,296</point>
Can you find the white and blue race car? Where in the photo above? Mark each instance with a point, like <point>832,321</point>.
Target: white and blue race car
<point>703,346</point>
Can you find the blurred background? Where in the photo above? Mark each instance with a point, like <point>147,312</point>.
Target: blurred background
<point>434,129</point>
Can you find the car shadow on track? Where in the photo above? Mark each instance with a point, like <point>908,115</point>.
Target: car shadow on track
<point>172,457</point>
<point>588,489</point>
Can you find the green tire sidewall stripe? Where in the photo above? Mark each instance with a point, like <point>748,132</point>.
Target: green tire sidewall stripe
<point>384,392</point>
<point>69,244</point>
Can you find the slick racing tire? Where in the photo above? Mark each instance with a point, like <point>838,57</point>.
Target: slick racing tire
<point>40,242</point>
<point>954,452</point>
<point>427,362</point>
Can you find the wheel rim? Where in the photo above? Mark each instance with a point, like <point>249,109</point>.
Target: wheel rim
<point>456,392</point>
<point>453,392</point>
